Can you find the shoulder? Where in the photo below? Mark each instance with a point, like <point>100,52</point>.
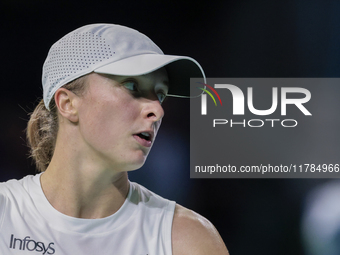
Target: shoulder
<point>141,194</point>
<point>8,193</point>
<point>13,189</point>
<point>194,234</point>
<point>6,187</point>
<point>14,184</point>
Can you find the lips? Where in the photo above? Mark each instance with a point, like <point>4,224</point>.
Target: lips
<point>144,138</point>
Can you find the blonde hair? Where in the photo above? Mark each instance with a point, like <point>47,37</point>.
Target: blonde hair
<point>43,125</point>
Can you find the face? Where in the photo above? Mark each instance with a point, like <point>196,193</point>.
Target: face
<point>119,117</point>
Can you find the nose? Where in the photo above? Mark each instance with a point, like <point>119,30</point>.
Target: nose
<point>153,110</point>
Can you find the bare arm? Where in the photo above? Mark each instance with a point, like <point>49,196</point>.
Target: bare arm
<point>194,234</point>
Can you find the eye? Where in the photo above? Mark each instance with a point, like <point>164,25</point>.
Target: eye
<point>131,85</point>
<point>161,90</point>
<point>161,96</point>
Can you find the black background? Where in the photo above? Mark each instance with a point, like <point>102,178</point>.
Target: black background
<point>229,39</point>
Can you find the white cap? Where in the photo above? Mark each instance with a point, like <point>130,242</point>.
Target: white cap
<point>117,50</point>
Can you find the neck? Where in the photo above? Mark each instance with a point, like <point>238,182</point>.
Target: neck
<point>80,182</point>
<point>83,190</point>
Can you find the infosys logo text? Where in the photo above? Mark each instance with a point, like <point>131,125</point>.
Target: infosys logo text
<point>31,245</point>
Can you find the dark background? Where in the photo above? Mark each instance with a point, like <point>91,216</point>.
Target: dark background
<point>229,39</point>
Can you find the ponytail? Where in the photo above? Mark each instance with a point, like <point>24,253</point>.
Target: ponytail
<point>42,128</point>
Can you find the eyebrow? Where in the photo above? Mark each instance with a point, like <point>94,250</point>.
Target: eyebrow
<point>120,78</point>
<point>165,82</point>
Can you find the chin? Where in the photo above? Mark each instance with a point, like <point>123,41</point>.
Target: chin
<point>134,161</point>
<point>135,167</point>
<point>138,163</point>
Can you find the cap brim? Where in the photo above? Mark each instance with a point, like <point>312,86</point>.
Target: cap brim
<point>179,68</point>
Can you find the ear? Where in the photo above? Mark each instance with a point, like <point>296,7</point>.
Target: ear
<point>66,102</point>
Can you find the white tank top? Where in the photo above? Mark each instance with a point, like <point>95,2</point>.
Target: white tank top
<point>30,225</point>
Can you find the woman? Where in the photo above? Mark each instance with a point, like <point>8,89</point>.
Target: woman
<point>101,110</point>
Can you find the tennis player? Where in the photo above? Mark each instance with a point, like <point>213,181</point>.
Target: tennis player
<point>103,86</point>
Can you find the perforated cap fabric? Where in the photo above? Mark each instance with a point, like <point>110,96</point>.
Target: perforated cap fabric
<point>113,49</point>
